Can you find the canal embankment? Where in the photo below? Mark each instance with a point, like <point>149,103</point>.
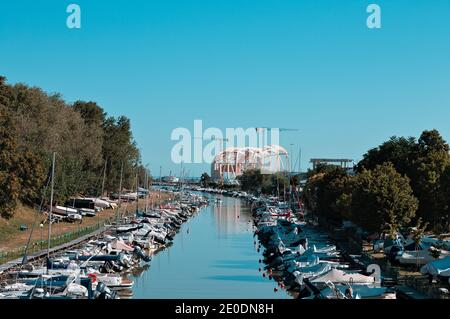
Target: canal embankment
<point>14,240</point>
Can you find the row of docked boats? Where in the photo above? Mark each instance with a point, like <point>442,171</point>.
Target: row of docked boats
<point>301,259</point>
<point>305,262</point>
<point>77,208</point>
<point>99,268</point>
<point>429,254</point>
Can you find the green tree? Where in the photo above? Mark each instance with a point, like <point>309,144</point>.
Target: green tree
<point>445,200</point>
<point>251,180</point>
<point>36,124</point>
<point>397,150</point>
<point>333,195</point>
<point>5,93</point>
<point>275,184</point>
<point>92,114</point>
<point>418,232</point>
<point>424,161</point>
<point>314,185</point>
<point>119,148</point>
<point>382,199</point>
<point>31,174</point>
<point>9,179</point>
<point>328,193</point>
<point>205,180</point>
<point>429,165</point>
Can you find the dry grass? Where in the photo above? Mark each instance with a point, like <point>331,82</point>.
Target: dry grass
<point>12,237</point>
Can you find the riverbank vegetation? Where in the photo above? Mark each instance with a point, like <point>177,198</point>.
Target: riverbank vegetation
<point>405,182</point>
<point>255,182</point>
<point>12,237</point>
<point>34,124</point>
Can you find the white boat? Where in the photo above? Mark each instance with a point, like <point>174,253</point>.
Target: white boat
<point>42,271</point>
<point>65,211</point>
<point>337,276</point>
<point>115,282</point>
<point>13,294</point>
<point>73,217</point>
<point>437,268</point>
<point>98,202</point>
<point>422,257</point>
<point>17,287</point>
<point>87,212</point>
<point>309,272</point>
<point>120,245</point>
<point>129,196</point>
<point>324,250</point>
<point>113,204</point>
<point>345,291</point>
<point>76,291</point>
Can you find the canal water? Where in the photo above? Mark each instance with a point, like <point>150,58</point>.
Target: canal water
<point>213,256</point>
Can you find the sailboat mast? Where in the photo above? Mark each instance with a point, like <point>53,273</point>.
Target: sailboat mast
<point>299,159</point>
<point>104,179</point>
<point>147,186</point>
<point>137,192</point>
<point>120,195</point>
<point>50,214</point>
<point>181,176</point>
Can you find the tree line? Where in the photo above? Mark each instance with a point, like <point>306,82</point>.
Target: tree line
<point>404,182</point>
<point>253,181</point>
<point>89,144</point>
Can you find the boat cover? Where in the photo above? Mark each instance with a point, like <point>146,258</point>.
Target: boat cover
<point>437,268</point>
<point>120,245</point>
<point>339,276</point>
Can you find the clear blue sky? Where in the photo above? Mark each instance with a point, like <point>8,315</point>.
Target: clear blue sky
<point>311,65</point>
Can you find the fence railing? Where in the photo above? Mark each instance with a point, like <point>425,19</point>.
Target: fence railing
<point>57,240</point>
<point>419,283</point>
<point>422,284</point>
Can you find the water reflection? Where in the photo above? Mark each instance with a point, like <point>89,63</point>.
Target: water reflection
<point>213,256</point>
<point>236,278</point>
